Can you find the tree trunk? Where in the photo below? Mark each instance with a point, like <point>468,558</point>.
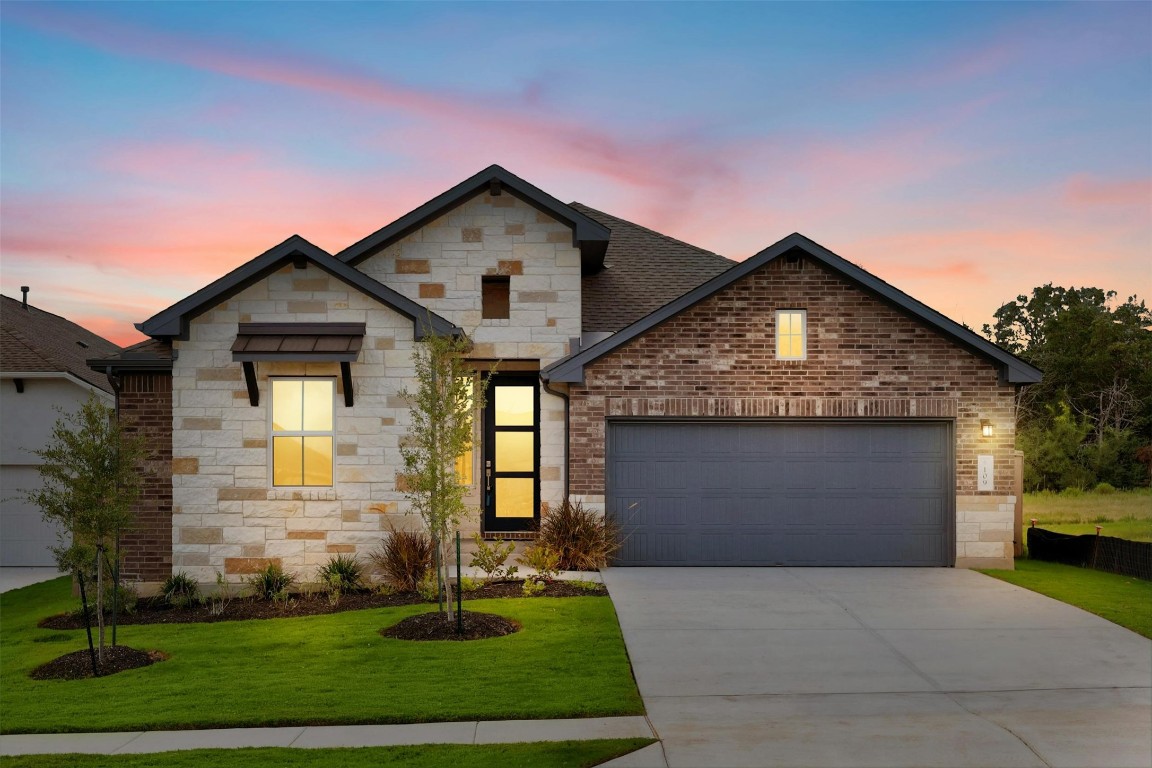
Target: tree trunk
<point>444,551</point>
<point>87,621</point>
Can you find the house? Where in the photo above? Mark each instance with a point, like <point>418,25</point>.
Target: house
<point>42,373</point>
<point>791,409</point>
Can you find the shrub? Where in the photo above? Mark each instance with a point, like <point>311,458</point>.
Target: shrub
<point>542,559</point>
<point>271,583</point>
<point>428,588</point>
<point>126,598</point>
<point>585,540</point>
<point>404,557</point>
<point>587,586</point>
<point>469,585</point>
<point>532,588</point>
<point>1104,489</point>
<point>490,558</point>
<point>218,601</point>
<point>342,573</point>
<point>180,590</point>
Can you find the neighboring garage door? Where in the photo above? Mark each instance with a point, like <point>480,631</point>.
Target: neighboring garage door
<point>25,539</point>
<point>796,493</point>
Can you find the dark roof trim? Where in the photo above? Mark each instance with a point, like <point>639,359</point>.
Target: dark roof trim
<point>588,235</point>
<point>128,364</point>
<point>173,322</point>
<point>339,342</point>
<point>1013,370</point>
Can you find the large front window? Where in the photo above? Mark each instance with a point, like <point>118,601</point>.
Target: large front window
<point>303,436</point>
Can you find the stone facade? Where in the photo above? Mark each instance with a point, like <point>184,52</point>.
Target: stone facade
<point>864,359</point>
<point>227,516</point>
<point>441,266</point>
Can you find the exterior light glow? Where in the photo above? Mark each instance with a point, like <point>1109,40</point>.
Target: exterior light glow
<point>986,429</point>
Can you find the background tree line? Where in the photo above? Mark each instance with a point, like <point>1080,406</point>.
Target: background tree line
<point>1090,420</point>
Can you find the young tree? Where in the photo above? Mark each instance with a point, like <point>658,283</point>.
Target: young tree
<point>440,431</point>
<point>89,482</point>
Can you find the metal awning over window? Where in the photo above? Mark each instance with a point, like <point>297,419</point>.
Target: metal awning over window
<point>298,342</point>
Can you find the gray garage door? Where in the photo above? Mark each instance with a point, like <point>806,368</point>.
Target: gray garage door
<point>782,493</point>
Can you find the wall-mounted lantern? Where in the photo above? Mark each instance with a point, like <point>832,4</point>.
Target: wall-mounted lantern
<point>985,428</point>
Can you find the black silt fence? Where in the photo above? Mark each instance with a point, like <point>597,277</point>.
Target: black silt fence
<point>1104,553</point>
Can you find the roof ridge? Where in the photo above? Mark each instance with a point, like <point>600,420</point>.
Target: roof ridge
<point>577,204</point>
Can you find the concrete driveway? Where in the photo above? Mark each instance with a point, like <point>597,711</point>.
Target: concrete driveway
<point>877,667</point>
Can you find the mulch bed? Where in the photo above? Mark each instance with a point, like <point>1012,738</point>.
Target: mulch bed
<point>156,611</point>
<point>437,626</point>
<point>78,665</point>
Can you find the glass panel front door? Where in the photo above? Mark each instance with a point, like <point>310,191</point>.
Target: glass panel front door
<point>512,454</point>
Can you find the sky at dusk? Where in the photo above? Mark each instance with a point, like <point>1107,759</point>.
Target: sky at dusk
<point>964,152</point>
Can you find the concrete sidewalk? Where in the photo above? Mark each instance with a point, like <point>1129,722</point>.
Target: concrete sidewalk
<point>317,737</point>
<point>14,577</point>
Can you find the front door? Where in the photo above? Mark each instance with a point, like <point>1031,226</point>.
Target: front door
<point>512,454</point>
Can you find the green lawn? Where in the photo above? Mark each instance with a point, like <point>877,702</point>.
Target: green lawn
<point>1123,600</point>
<point>556,754</point>
<point>1123,514</point>
<point>568,661</point>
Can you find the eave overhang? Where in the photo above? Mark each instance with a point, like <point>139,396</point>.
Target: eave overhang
<point>129,363</point>
<point>173,323</point>
<point>1012,370</point>
<point>590,236</point>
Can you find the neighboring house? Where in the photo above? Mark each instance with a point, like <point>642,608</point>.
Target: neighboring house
<point>791,409</point>
<point>42,374</point>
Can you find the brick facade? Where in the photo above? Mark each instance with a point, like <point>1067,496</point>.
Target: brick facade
<point>864,359</point>
<point>144,406</point>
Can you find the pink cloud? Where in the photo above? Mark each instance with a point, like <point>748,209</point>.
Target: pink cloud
<point>671,166</point>
<point>1087,190</point>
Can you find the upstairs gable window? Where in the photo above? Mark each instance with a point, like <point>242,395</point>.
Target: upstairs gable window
<point>495,298</point>
<point>303,431</point>
<point>791,334</point>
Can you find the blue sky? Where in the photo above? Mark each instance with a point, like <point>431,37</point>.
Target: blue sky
<point>965,152</point>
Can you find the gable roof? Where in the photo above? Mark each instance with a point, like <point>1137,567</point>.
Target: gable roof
<point>173,322</point>
<point>35,341</point>
<point>643,271</point>
<point>589,235</point>
<point>1012,369</point>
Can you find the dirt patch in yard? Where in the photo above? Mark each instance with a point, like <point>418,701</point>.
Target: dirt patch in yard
<point>436,626</point>
<point>78,664</point>
<point>157,611</point>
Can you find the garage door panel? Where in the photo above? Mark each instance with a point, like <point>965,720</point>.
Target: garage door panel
<point>802,474</point>
<point>670,474</point>
<point>791,493</point>
<point>842,474</point>
<point>841,443</point>
<point>797,441</point>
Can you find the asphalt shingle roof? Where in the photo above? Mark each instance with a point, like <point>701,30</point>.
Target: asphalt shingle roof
<point>644,270</point>
<point>35,341</point>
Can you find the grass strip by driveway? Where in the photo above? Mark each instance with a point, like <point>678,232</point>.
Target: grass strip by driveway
<point>1123,600</point>
<point>556,754</point>
<point>567,661</point>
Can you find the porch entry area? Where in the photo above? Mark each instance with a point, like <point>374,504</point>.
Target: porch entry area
<point>511,454</point>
